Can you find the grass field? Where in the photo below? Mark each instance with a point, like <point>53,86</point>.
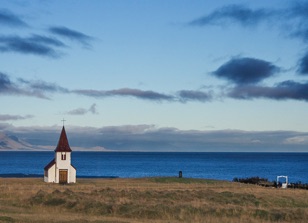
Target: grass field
<point>148,200</point>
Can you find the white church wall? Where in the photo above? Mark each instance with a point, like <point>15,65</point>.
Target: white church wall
<point>72,175</point>
<point>50,178</point>
<point>63,163</point>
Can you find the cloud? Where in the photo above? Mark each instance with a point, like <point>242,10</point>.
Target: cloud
<point>36,45</point>
<point>287,90</point>
<point>7,87</point>
<point>39,88</point>
<point>299,9</point>
<point>246,70</point>
<point>281,91</point>
<point>127,129</point>
<point>298,14</point>
<point>92,109</point>
<point>303,65</point>
<point>14,117</point>
<point>39,45</point>
<point>83,111</point>
<point>152,138</point>
<point>180,96</point>
<point>234,13</point>
<point>4,126</point>
<point>187,95</point>
<point>43,86</point>
<point>5,83</point>
<point>71,34</point>
<point>301,33</point>
<point>297,140</point>
<point>7,18</point>
<point>46,40</point>
<point>78,111</point>
<point>140,94</point>
<point>291,20</point>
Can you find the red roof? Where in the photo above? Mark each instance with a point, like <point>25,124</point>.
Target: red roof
<point>63,145</point>
<point>49,165</point>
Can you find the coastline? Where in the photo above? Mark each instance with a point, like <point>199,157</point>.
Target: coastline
<point>221,166</point>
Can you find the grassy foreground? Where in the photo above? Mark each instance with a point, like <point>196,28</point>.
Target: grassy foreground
<point>148,200</point>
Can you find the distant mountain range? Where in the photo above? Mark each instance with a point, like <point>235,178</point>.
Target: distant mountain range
<point>13,143</point>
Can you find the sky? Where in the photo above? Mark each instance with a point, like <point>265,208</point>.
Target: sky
<point>157,75</point>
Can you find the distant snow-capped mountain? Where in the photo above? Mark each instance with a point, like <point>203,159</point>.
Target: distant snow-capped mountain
<point>11,142</point>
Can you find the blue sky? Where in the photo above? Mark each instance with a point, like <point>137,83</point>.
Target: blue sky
<point>195,72</point>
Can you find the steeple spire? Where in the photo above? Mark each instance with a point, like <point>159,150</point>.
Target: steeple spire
<point>63,145</point>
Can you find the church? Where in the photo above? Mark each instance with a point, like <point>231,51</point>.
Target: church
<point>60,170</point>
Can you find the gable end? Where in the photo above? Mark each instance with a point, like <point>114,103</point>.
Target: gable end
<point>49,165</point>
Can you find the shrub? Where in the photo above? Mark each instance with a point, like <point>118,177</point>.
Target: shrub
<point>251,180</point>
<point>54,202</point>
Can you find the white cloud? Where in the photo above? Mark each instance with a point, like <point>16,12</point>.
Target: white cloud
<point>297,140</point>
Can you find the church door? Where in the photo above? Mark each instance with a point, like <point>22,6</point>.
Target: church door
<point>63,176</point>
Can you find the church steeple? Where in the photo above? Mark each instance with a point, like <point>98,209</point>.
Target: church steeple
<point>63,145</point>
<point>60,170</point>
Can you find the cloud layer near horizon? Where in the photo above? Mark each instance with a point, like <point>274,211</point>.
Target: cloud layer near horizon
<point>151,138</point>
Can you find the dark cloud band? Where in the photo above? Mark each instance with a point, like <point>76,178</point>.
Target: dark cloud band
<point>303,65</point>
<point>146,95</point>
<point>71,34</point>
<point>8,87</point>
<point>37,45</point>
<point>282,91</point>
<point>188,95</point>
<point>234,13</point>
<point>7,18</point>
<point>14,117</point>
<point>287,90</point>
<point>246,70</point>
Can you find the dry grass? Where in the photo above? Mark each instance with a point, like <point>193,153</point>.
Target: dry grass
<point>148,200</point>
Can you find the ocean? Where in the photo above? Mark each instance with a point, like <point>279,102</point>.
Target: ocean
<point>222,166</point>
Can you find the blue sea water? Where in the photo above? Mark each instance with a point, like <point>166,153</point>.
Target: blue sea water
<point>223,166</point>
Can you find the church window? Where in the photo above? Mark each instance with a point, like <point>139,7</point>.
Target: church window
<point>63,156</point>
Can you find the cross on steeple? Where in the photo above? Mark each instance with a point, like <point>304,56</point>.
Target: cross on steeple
<point>63,120</point>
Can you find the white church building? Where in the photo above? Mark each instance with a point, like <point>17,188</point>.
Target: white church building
<point>60,170</point>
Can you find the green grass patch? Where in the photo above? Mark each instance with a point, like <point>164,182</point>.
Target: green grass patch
<point>6,219</point>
